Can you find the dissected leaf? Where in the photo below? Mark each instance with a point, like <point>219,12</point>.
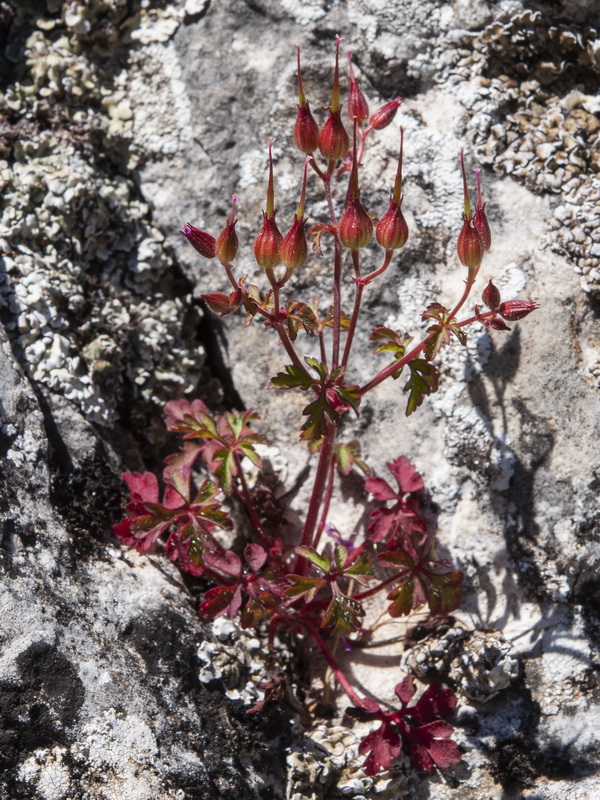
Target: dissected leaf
<point>422,382</point>
<point>343,615</point>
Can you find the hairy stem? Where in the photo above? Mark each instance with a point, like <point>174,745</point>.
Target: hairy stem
<point>249,504</point>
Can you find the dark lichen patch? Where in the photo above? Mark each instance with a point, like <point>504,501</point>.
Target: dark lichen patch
<point>39,710</point>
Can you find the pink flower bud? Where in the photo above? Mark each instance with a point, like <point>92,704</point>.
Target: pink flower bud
<point>201,241</point>
<point>384,115</point>
<point>513,310</point>
<point>491,296</point>
<point>227,242</point>
<point>357,105</point>
<point>306,130</point>
<point>392,230</point>
<point>469,247</point>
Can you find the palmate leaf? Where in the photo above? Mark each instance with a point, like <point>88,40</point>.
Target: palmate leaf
<point>292,378</point>
<point>301,586</point>
<point>348,455</point>
<point>423,381</point>
<point>343,615</point>
<point>441,333</point>
<point>445,592</point>
<point>391,341</point>
<point>318,412</point>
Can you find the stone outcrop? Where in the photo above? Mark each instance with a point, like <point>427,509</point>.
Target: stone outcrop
<point>121,120</point>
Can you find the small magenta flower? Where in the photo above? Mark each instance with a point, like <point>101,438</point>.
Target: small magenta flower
<point>268,242</point>
<point>306,130</point>
<point>514,310</point>
<point>385,115</point>
<point>333,139</point>
<point>356,226</point>
<point>392,230</point>
<point>201,241</point>
<point>294,249</point>
<point>469,246</point>
<point>357,105</point>
<point>480,218</point>
<point>226,246</point>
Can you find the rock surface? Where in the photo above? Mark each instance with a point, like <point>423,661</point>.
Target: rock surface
<point>120,120</point>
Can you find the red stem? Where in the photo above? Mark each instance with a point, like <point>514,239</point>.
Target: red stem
<point>356,309</point>
<point>312,515</point>
<point>249,505</point>
<point>326,503</point>
<point>391,368</point>
<point>335,667</point>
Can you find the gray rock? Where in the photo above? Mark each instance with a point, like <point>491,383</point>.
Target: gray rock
<point>122,121</point>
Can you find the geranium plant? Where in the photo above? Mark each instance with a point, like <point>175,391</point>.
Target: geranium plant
<point>310,581</point>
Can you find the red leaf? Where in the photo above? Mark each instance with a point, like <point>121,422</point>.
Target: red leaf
<point>384,745</point>
<point>430,745</point>
<point>380,489</point>
<point>142,486</point>
<point>227,562</point>
<point>220,601</point>
<point>255,556</point>
<point>408,478</point>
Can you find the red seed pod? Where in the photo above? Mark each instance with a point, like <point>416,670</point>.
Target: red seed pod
<point>294,250</point>
<point>227,242</point>
<point>491,296</point>
<point>468,247</point>
<point>333,140</point>
<point>357,105</point>
<point>356,226</point>
<point>514,310</point>
<point>268,241</point>
<point>201,241</point>
<point>482,227</point>
<point>392,230</point>
<point>306,129</point>
<point>267,244</point>
<point>480,218</point>
<point>384,115</point>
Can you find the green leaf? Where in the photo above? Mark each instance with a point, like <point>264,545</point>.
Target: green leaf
<point>362,566</point>
<point>441,333</point>
<point>422,382</point>
<point>340,555</point>
<point>226,469</point>
<point>318,412</point>
<point>402,597</point>
<point>303,586</point>
<point>343,615</point>
<point>391,341</point>
<point>348,455</point>
<point>349,395</point>
<point>445,592</point>
<point>290,379</point>
<point>322,561</point>
<point>318,367</point>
